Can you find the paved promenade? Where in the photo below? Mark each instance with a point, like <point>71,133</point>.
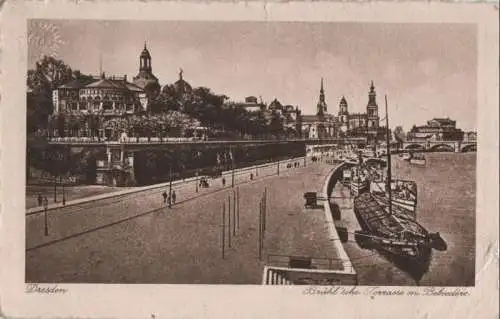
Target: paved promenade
<point>134,238</point>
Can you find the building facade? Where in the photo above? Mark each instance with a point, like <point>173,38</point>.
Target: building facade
<point>361,124</point>
<point>345,124</point>
<point>80,107</point>
<point>438,129</point>
<point>322,124</point>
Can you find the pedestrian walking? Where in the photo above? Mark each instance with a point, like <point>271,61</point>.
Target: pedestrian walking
<point>174,197</point>
<point>40,200</point>
<point>45,202</point>
<point>169,201</point>
<point>223,182</point>
<point>164,194</point>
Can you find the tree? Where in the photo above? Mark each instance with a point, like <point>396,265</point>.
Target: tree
<point>399,134</point>
<point>48,74</point>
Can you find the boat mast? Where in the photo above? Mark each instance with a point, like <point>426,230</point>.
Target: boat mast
<point>389,175</point>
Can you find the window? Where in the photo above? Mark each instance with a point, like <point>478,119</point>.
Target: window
<point>107,105</point>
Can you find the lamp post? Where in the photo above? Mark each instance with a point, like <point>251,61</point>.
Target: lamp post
<point>63,193</point>
<point>170,187</point>
<point>55,189</point>
<point>46,226</point>
<point>196,181</point>
<point>232,164</point>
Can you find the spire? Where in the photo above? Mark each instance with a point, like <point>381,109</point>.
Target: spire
<point>180,73</point>
<point>321,103</point>
<point>372,96</point>
<point>145,46</point>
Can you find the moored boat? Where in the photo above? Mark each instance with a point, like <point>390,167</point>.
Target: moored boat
<point>405,156</point>
<point>346,176</point>
<point>353,160</point>
<point>386,231</point>
<point>359,183</point>
<point>418,160</point>
<point>387,216</point>
<point>404,196</point>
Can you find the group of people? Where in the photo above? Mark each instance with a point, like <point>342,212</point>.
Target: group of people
<point>203,182</point>
<point>42,200</point>
<point>169,198</point>
<point>295,164</point>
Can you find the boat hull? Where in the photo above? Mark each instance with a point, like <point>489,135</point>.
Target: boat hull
<point>400,206</point>
<point>382,230</point>
<point>418,162</point>
<point>359,187</point>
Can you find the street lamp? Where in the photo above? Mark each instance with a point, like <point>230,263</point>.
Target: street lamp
<point>170,187</point>
<point>196,181</point>
<point>63,193</point>
<point>45,206</point>
<point>55,188</point>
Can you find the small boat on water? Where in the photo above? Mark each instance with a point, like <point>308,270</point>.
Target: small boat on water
<point>418,160</point>
<point>346,177</point>
<point>359,182</point>
<point>353,160</point>
<point>405,156</point>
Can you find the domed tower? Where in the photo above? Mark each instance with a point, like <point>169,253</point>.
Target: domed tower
<point>372,108</point>
<point>145,79</point>
<point>343,115</point>
<point>182,87</point>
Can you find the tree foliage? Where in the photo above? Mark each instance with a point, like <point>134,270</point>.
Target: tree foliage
<point>48,74</point>
<point>399,134</point>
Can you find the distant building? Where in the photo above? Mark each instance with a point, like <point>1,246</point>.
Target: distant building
<point>101,98</point>
<point>321,125</point>
<point>251,104</point>
<point>105,96</point>
<point>145,79</point>
<point>362,124</point>
<point>470,136</point>
<point>182,87</point>
<point>440,129</point>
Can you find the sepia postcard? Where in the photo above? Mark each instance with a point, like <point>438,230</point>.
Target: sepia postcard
<point>262,160</point>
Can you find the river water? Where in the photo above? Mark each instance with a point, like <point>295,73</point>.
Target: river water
<point>446,204</point>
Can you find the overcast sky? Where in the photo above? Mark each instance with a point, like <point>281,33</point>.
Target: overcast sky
<point>427,70</point>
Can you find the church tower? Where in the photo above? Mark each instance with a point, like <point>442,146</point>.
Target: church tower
<point>372,108</point>
<point>321,106</point>
<point>145,79</point>
<point>343,112</point>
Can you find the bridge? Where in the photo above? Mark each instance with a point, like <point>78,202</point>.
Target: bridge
<point>446,146</point>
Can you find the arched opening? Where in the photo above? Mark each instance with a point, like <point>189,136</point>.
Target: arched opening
<point>414,147</point>
<point>469,148</point>
<point>442,148</point>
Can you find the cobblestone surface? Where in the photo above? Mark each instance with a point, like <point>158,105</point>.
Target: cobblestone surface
<point>137,239</point>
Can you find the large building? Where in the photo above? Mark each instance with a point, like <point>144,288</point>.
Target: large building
<point>103,97</point>
<point>440,129</point>
<point>324,125</point>
<point>361,124</point>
